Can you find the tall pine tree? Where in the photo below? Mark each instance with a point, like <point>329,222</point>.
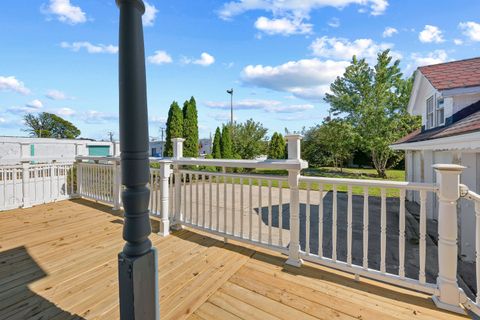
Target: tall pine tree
<point>217,148</point>
<point>276,147</point>
<point>174,127</point>
<point>226,143</point>
<point>190,128</point>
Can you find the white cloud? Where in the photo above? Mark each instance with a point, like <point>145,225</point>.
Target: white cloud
<point>35,104</point>
<point>148,17</point>
<point>160,57</point>
<point>294,7</point>
<point>259,104</point>
<point>65,11</point>
<point>56,95</point>
<point>224,116</point>
<point>283,26</point>
<point>307,78</point>
<point>91,48</point>
<point>435,57</point>
<point>343,49</point>
<point>97,117</point>
<point>204,60</point>
<point>458,42</point>
<point>334,23</point>
<point>13,84</point>
<point>471,30</point>
<point>64,112</point>
<point>431,34</point>
<point>388,32</point>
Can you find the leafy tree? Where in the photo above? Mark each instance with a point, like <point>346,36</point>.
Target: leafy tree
<point>217,148</point>
<point>49,125</point>
<point>339,140</point>
<point>226,143</point>
<point>276,147</point>
<point>190,128</point>
<point>249,139</point>
<point>174,127</point>
<point>374,100</point>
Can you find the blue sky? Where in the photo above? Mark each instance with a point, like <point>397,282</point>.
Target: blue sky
<point>279,55</point>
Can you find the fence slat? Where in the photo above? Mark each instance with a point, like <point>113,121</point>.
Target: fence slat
<point>259,210</point>
<point>383,230</point>
<point>423,231</point>
<point>365,228</point>
<point>401,236</point>
<point>307,222</point>
<point>320,221</point>
<point>241,207</point>
<point>269,212</point>
<point>280,213</point>
<point>334,224</point>
<point>250,208</point>
<point>349,226</point>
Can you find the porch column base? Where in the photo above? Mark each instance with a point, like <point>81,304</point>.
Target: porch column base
<point>446,306</point>
<point>294,262</point>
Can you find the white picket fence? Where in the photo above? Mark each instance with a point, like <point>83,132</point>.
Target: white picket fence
<point>29,184</point>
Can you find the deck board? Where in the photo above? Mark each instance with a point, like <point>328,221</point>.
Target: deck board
<point>59,261</point>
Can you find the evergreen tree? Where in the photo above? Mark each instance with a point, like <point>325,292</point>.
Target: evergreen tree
<point>276,147</point>
<point>226,143</point>
<point>174,127</point>
<point>217,144</point>
<point>190,128</point>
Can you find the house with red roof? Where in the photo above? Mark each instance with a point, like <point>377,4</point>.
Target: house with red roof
<point>447,97</point>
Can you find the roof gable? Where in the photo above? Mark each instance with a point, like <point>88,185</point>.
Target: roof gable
<point>452,75</point>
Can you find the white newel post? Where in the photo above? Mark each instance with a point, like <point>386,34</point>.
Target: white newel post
<point>164,193</point>
<point>117,185</point>
<point>177,154</point>
<point>448,180</point>
<point>293,141</point>
<point>26,184</point>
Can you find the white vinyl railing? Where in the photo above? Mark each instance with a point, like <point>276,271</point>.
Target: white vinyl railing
<point>373,223</point>
<point>29,184</point>
<point>358,226</point>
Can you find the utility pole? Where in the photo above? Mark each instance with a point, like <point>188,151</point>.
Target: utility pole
<point>110,135</point>
<point>162,130</point>
<point>230,92</point>
<point>137,271</point>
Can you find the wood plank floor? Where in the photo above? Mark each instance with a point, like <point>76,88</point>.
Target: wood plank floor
<point>59,261</point>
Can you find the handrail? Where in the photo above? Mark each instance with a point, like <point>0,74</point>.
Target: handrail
<point>290,164</point>
<point>372,183</point>
<point>97,158</point>
<point>237,175</point>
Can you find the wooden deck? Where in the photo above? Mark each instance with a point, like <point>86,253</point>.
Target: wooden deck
<point>59,261</point>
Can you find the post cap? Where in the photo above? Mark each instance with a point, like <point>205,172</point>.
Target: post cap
<point>294,136</point>
<point>178,139</point>
<point>448,167</point>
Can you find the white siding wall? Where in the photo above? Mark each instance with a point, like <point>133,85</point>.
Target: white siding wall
<point>462,101</point>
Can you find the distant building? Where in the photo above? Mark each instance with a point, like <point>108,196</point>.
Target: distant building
<point>16,149</point>
<point>156,148</point>
<point>204,146</point>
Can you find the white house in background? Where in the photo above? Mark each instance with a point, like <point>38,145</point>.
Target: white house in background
<point>17,149</point>
<point>447,96</point>
<point>156,148</point>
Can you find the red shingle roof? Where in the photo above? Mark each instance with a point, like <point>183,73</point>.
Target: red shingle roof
<point>455,74</point>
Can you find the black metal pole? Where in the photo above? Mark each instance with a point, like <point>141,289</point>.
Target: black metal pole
<point>137,263</point>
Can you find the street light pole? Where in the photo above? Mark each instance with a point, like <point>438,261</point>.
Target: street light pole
<point>137,263</point>
<point>230,92</point>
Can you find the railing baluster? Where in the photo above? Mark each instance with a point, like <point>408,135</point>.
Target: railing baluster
<point>349,226</point>
<point>383,230</point>
<point>423,231</point>
<point>307,221</point>
<point>152,195</point>
<point>218,202</point>
<point>184,178</point>
<point>197,202</point>
<point>250,207</point>
<point>210,199</point>
<point>203,201</point>
<point>401,236</point>
<point>233,206</point>
<point>320,221</point>
<point>365,228</point>
<point>191,196</point>
<point>269,212</point>
<point>280,213</point>
<point>242,209</point>
<point>334,224</point>
<point>259,210</point>
<point>224,203</point>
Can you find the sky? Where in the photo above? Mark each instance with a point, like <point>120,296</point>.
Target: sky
<point>279,56</point>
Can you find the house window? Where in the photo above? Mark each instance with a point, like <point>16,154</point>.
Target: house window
<point>439,112</point>
<point>430,113</point>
